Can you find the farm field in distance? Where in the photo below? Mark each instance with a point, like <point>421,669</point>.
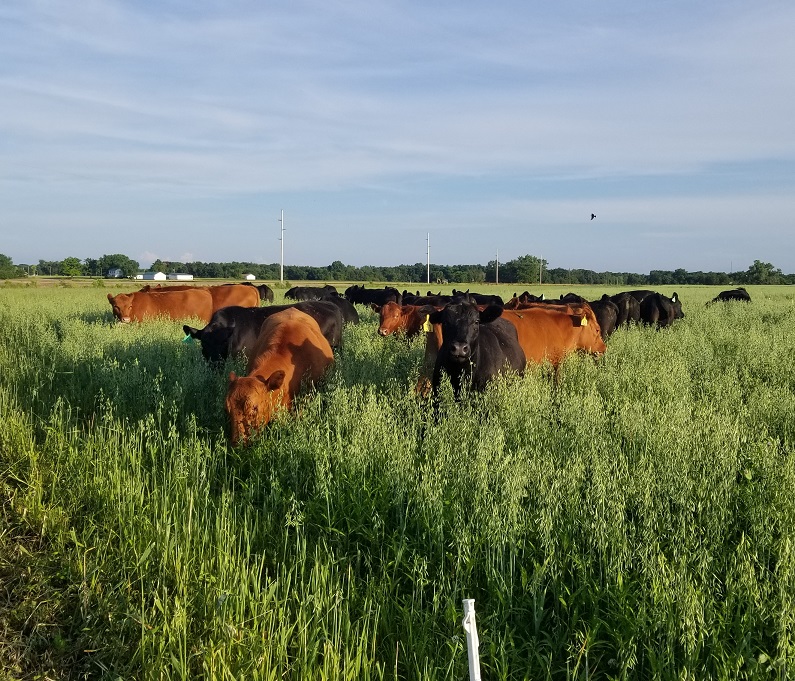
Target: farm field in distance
<point>634,519</point>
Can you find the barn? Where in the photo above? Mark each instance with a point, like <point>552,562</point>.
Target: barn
<point>152,276</point>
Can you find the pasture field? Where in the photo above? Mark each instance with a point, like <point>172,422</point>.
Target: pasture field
<point>634,519</point>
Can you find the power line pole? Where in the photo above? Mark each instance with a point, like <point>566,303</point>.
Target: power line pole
<point>429,257</point>
<point>281,239</point>
<point>497,268</point>
<point>540,269</point>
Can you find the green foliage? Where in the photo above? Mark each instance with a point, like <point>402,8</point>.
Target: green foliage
<point>7,268</point>
<point>630,518</point>
<point>71,267</point>
<point>128,266</point>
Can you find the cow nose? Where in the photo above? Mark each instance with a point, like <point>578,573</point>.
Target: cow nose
<point>460,350</point>
<point>383,332</point>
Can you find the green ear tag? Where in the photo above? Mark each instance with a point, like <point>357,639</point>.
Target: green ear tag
<point>427,327</point>
<point>188,339</point>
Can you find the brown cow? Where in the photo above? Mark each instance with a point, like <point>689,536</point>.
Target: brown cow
<point>137,306</point>
<point>234,294</point>
<point>407,318</point>
<point>181,301</point>
<point>289,350</point>
<point>550,333</point>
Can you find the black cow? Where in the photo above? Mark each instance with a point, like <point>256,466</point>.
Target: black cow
<point>738,293</point>
<point>606,312</point>
<point>434,300</point>
<point>641,294</point>
<point>310,292</point>
<point>628,308</point>
<point>476,346</point>
<point>659,310</point>
<point>363,296</point>
<point>477,298</point>
<point>349,313</point>
<point>234,329</point>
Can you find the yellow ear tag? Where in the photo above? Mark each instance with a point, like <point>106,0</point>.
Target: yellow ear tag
<point>584,321</point>
<point>427,327</point>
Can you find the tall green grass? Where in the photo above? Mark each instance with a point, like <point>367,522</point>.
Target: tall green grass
<point>631,518</point>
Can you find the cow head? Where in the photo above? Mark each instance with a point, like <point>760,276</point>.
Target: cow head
<point>214,339</point>
<point>590,332</point>
<point>251,402</point>
<point>676,304</point>
<point>389,317</point>
<point>460,328</point>
<point>122,306</point>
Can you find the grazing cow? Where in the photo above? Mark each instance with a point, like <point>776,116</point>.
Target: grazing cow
<point>525,297</point>
<point>234,294</point>
<point>362,296</point>
<point>349,313</point>
<point>641,294</point>
<point>738,293</point>
<point>477,298</point>
<point>659,310</point>
<point>310,292</point>
<point>606,312</point>
<point>419,301</point>
<point>550,332</point>
<point>476,346</point>
<point>628,308</point>
<point>290,351</point>
<point>235,329</point>
<point>605,309</point>
<point>265,291</point>
<point>174,304</point>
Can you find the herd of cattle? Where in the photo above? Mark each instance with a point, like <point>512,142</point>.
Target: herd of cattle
<point>470,337</point>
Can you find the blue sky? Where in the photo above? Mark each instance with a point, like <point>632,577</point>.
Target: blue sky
<point>179,129</point>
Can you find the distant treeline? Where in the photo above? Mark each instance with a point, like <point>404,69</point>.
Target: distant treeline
<point>527,269</point>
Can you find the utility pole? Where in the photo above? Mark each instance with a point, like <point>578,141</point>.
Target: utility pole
<point>429,257</point>
<point>497,268</point>
<point>281,239</point>
<point>540,268</point>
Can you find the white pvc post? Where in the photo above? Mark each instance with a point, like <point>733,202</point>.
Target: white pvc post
<point>471,629</point>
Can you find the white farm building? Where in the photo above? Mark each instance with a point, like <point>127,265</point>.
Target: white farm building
<point>151,276</point>
<point>174,276</point>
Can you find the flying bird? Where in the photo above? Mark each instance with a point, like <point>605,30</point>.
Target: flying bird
<point>592,216</point>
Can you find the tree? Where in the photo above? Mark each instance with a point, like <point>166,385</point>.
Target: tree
<point>523,270</point>
<point>763,273</point>
<point>128,266</point>
<point>71,267</point>
<point>7,268</point>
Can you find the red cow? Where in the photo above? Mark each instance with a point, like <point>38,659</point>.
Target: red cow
<point>290,349</point>
<point>407,318</point>
<point>137,306</point>
<point>548,332</point>
<point>234,294</point>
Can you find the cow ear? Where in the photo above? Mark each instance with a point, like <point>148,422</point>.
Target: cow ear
<point>673,297</point>
<point>435,317</point>
<point>190,331</point>
<point>490,314</point>
<point>232,376</point>
<point>110,297</point>
<point>275,380</point>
